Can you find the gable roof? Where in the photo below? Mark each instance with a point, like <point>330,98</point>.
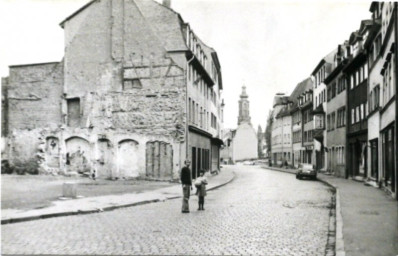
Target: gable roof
<point>76,13</point>
<point>301,87</point>
<point>327,59</point>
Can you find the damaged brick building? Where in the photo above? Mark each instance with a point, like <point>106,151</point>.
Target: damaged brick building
<point>136,93</point>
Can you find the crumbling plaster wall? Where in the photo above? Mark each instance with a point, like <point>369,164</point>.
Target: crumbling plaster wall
<point>128,85</point>
<point>34,96</point>
<point>34,102</point>
<point>153,112</point>
<point>105,51</point>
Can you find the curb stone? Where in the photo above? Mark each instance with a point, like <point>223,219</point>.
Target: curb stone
<point>339,244</point>
<point>110,208</point>
<point>339,221</point>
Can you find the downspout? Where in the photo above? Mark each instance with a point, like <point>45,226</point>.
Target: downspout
<point>283,141</point>
<point>396,96</point>
<point>187,110</point>
<point>347,127</point>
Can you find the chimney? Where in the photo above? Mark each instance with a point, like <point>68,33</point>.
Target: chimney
<point>167,3</point>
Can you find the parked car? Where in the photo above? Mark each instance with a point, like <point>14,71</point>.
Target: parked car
<point>306,170</point>
<point>249,163</point>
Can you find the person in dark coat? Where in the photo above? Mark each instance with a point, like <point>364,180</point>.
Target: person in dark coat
<point>186,182</point>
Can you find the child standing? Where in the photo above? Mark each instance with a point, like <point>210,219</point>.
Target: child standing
<point>200,184</point>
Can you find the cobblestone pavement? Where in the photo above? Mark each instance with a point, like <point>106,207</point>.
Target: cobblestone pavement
<point>260,213</point>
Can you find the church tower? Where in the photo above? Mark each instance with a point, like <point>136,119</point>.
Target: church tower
<point>245,139</point>
<point>244,114</point>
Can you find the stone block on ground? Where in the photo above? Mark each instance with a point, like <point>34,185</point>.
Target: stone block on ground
<point>69,190</point>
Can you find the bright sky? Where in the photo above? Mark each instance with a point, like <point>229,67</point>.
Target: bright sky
<point>269,46</point>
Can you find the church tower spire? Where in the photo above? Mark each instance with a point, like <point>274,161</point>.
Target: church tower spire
<point>244,114</point>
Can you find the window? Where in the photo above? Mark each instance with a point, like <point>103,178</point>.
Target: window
<point>377,96</point>
<point>319,121</point>
<point>362,112</point>
<point>353,116</point>
<point>129,84</point>
<point>371,95</point>
<point>208,119</point>
<point>333,90</point>
<point>341,117</point>
<point>190,110</point>
<point>356,78</point>
<point>372,55</point>
<point>329,93</point>
<point>333,120</point>
<point>352,82</point>
<point>73,117</point>
<point>193,112</point>
<point>201,117</point>
<point>341,155</point>
<point>197,114</point>
<point>328,123</point>
<point>366,71</point>
<point>357,115</point>
<point>305,117</point>
<point>340,84</point>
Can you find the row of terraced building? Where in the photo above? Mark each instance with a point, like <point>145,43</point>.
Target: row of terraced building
<point>342,118</point>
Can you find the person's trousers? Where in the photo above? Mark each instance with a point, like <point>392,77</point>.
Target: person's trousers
<point>185,199</point>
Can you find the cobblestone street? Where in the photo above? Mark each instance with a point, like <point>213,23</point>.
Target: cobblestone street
<point>261,212</point>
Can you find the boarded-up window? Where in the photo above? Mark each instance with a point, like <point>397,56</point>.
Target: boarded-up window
<point>131,84</point>
<point>159,160</point>
<point>73,112</point>
<point>128,158</point>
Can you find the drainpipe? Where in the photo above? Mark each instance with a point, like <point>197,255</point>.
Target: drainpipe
<point>187,110</point>
<point>283,141</point>
<point>396,96</point>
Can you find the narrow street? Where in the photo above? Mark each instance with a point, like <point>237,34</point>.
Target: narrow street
<point>261,212</point>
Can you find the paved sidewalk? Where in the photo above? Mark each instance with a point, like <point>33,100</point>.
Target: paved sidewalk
<point>109,202</point>
<point>366,218</point>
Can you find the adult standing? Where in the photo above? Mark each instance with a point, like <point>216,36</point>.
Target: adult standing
<point>186,182</point>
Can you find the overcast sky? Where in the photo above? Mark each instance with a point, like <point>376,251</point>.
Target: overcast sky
<point>269,46</point>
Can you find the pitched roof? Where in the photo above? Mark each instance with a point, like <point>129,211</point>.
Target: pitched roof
<point>329,58</point>
<point>76,13</point>
<point>301,87</point>
<point>285,111</point>
<point>280,99</point>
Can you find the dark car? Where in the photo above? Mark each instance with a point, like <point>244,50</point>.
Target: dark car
<point>306,170</point>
